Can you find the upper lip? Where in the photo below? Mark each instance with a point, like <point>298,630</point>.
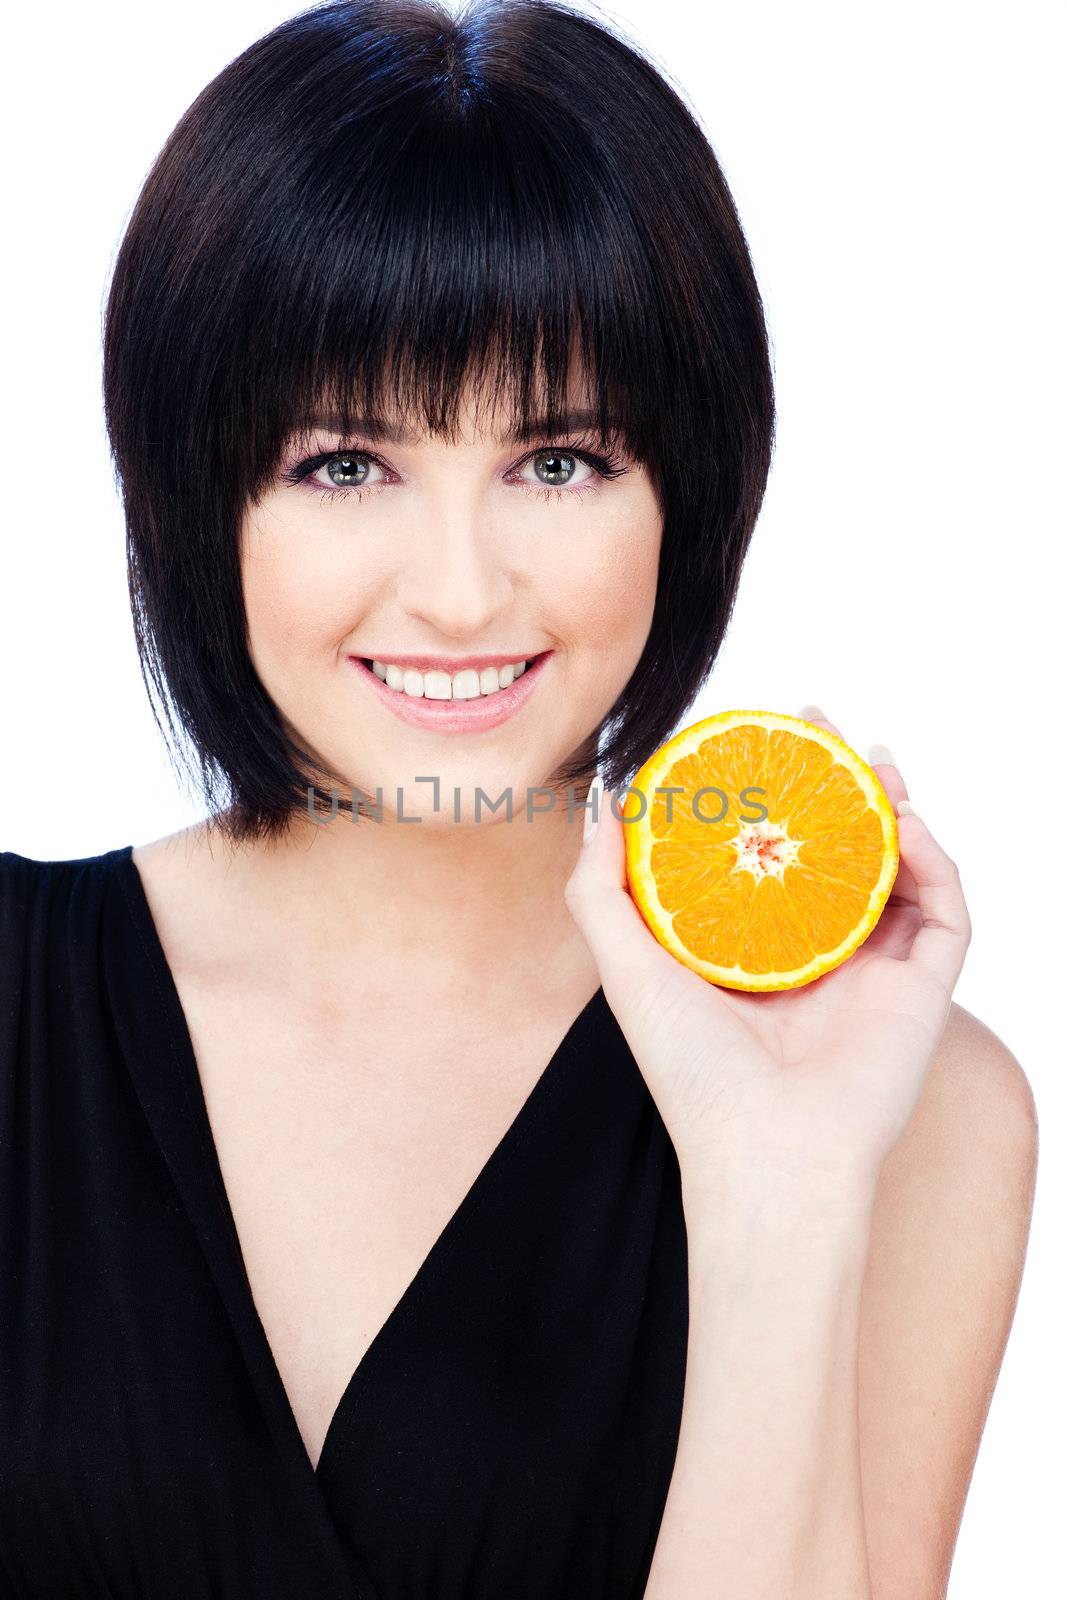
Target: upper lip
<point>452,664</point>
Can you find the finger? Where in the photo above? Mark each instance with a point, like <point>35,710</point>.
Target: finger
<point>881,758</point>
<point>817,715</point>
<point>883,761</point>
<point>941,943</point>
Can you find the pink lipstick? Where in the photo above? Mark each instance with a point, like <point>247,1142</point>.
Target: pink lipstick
<point>482,712</point>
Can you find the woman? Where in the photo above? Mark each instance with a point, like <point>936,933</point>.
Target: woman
<point>387,1212</point>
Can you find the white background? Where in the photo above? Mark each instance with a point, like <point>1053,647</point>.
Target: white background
<point>898,172</point>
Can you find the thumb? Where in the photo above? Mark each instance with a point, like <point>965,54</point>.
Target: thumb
<point>597,897</point>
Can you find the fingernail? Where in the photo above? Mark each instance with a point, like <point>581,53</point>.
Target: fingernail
<point>881,753</point>
<point>906,809</point>
<point>813,714</point>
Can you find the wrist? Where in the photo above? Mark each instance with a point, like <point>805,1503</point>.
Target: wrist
<point>750,1222</point>
<point>766,1182</point>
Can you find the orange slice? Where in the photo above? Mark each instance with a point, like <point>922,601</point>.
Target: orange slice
<point>779,869</point>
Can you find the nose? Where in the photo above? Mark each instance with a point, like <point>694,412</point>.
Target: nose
<point>453,580</point>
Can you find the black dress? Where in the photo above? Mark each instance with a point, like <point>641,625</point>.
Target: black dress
<point>509,1435</point>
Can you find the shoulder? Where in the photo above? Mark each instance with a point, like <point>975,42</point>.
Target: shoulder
<point>948,1244</point>
<point>45,906</point>
<point>977,1102</point>
<point>967,1159</point>
<point>24,879</point>
<point>48,912</point>
<point>961,1178</point>
<point>23,882</point>
<point>967,1038</point>
<point>200,894</point>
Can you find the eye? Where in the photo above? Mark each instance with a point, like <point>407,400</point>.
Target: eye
<point>555,467</point>
<point>347,472</point>
<point>336,473</point>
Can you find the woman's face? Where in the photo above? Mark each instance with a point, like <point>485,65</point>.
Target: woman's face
<point>483,548</point>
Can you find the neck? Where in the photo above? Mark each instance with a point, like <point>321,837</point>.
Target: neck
<point>452,902</point>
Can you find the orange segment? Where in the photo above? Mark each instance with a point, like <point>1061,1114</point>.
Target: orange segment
<point>760,848</point>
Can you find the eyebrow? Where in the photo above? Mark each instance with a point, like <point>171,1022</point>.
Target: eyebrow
<point>573,421</point>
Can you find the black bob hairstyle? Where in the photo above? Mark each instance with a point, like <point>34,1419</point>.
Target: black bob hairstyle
<point>449,198</point>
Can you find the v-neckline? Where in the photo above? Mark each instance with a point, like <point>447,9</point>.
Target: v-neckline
<point>165,1099</point>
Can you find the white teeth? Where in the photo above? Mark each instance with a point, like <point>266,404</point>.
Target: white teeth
<point>465,685</point>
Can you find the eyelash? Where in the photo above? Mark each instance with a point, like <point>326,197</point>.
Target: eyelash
<point>606,467</point>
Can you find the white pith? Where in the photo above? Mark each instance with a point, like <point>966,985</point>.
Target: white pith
<point>765,849</point>
<point>469,684</point>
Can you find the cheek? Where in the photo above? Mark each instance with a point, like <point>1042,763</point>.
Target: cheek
<point>613,595</point>
<point>603,613</point>
<point>293,604</point>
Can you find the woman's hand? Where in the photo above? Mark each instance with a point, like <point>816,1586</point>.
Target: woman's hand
<point>815,1084</point>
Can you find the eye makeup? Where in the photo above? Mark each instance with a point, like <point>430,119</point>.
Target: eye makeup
<point>605,466</point>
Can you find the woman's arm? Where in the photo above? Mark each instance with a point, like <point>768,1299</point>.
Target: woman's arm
<point>765,1502</point>
<point>782,1109</point>
<point>947,1245</point>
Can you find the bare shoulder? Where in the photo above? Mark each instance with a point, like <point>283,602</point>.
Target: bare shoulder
<point>184,851</point>
<point>968,1157</point>
<point>948,1245</point>
<point>195,897</point>
<point>975,1066</point>
<point>963,1172</point>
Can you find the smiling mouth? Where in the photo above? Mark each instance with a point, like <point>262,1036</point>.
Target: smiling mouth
<point>483,694</point>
